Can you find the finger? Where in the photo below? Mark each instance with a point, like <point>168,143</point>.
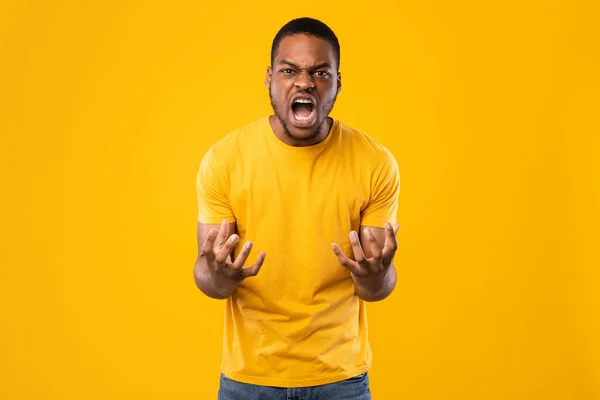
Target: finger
<point>373,245</point>
<point>241,259</point>
<point>226,249</point>
<point>391,244</point>
<point>359,255</point>
<point>345,261</point>
<point>209,243</point>
<point>223,233</point>
<point>373,265</point>
<point>253,270</point>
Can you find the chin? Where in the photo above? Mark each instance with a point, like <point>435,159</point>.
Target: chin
<point>303,134</point>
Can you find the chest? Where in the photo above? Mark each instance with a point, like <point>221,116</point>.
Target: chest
<point>306,188</point>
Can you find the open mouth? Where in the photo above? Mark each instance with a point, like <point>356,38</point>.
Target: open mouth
<point>304,111</point>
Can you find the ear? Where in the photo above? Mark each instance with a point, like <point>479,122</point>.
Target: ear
<point>339,82</point>
<point>268,77</point>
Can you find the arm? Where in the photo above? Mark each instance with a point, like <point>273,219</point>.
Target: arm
<point>373,270</point>
<point>215,273</point>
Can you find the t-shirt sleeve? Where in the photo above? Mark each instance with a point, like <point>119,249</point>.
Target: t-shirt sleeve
<point>211,184</point>
<point>385,190</point>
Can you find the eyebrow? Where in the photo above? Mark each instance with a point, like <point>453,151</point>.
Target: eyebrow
<point>291,64</point>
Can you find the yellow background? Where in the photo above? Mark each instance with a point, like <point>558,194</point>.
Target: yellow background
<point>491,109</point>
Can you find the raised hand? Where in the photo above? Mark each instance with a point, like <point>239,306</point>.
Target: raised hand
<point>371,271</point>
<point>217,249</point>
<point>381,257</point>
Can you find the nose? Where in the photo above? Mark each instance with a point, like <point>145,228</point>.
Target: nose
<point>304,81</point>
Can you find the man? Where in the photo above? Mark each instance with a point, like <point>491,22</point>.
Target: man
<point>319,200</point>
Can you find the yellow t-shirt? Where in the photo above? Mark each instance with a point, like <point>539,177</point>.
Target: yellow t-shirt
<point>298,322</point>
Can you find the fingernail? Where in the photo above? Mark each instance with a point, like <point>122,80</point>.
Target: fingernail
<point>353,235</point>
<point>248,245</point>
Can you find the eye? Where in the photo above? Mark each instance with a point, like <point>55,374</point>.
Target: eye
<point>322,73</point>
<point>287,71</point>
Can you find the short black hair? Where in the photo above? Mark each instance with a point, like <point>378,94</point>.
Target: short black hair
<point>306,26</point>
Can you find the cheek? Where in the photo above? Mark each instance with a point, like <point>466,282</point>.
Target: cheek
<point>327,95</point>
<point>278,93</point>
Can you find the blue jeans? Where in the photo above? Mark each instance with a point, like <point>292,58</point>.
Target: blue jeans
<point>356,388</point>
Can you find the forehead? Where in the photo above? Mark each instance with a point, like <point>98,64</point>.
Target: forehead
<point>305,50</point>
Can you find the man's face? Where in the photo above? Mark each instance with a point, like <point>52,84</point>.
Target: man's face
<point>303,84</point>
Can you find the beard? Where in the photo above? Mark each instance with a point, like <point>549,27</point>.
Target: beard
<point>283,121</point>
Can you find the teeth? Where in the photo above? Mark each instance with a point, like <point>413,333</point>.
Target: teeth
<point>298,118</point>
<point>303,101</point>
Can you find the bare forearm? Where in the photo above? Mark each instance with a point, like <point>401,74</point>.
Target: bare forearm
<point>375,288</point>
<point>209,284</point>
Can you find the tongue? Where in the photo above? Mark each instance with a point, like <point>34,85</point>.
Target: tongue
<point>302,109</point>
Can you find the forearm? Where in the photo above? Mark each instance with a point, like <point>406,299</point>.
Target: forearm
<point>209,284</point>
<point>375,288</point>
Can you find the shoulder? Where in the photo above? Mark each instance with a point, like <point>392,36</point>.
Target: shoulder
<point>236,141</point>
<point>241,136</point>
<point>364,145</point>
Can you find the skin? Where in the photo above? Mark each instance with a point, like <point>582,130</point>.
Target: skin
<point>303,64</point>
<point>215,273</point>
<point>372,269</point>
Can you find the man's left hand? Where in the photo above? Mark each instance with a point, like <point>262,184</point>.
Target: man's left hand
<point>370,271</point>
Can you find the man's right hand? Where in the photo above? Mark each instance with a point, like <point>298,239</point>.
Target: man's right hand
<point>216,275</point>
